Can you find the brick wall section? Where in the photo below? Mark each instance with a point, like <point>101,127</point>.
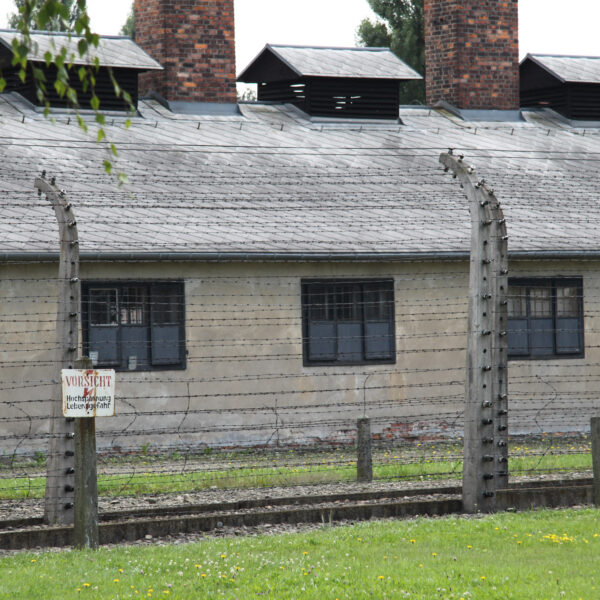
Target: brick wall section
<point>194,40</point>
<point>472,53</point>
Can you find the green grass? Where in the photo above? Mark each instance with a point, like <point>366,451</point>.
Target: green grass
<point>152,482</point>
<point>542,555</point>
<point>152,475</point>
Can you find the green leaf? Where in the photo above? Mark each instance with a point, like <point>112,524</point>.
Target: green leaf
<point>113,149</point>
<point>108,166</point>
<point>22,75</point>
<point>101,135</point>
<point>2,84</point>
<point>48,57</point>
<point>43,17</point>
<point>100,119</point>
<point>58,9</point>
<point>82,123</point>
<point>38,74</point>
<point>122,178</point>
<point>82,74</point>
<point>82,47</point>
<point>72,96</point>
<point>61,73</point>
<point>127,123</point>
<point>60,88</point>
<point>95,102</point>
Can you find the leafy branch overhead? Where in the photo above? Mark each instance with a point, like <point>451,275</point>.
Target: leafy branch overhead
<point>69,73</point>
<point>402,29</point>
<point>57,22</point>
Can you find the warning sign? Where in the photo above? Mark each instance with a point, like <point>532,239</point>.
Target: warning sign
<point>88,393</point>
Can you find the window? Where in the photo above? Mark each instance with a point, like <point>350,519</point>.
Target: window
<point>135,326</point>
<point>545,318</point>
<point>348,322</point>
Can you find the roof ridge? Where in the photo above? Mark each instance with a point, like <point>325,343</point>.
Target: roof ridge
<point>358,48</point>
<point>65,34</point>
<point>562,55</point>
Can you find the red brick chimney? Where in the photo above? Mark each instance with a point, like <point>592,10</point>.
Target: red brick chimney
<point>472,53</point>
<point>194,41</point>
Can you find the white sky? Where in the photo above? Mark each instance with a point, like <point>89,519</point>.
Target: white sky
<point>546,26</point>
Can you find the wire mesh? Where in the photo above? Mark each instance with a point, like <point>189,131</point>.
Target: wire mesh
<point>246,407</point>
<point>234,396</point>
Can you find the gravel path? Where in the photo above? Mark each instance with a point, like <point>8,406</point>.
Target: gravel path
<point>14,509</point>
<point>18,509</point>
<point>31,508</point>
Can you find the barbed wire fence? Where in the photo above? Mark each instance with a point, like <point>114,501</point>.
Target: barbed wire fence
<point>263,375</point>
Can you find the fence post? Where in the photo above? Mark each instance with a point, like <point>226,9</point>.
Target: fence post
<point>485,466</point>
<point>60,470</point>
<point>364,460</point>
<point>595,433</point>
<point>86,479</point>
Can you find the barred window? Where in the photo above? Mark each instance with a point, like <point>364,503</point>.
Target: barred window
<point>134,326</point>
<point>545,318</point>
<point>348,322</point>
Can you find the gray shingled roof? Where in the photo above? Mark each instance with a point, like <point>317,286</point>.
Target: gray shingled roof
<point>271,183</point>
<point>313,61</point>
<point>571,69</point>
<point>111,51</point>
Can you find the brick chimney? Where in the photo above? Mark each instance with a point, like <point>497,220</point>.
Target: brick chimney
<point>194,41</point>
<point>472,53</point>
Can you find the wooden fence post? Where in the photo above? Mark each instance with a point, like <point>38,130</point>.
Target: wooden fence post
<point>485,467</point>
<point>595,434</point>
<point>60,470</point>
<point>86,478</point>
<point>364,459</point>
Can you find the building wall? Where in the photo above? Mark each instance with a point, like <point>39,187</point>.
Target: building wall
<point>245,383</point>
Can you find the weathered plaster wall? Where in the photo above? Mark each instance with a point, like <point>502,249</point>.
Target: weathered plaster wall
<point>244,343</point>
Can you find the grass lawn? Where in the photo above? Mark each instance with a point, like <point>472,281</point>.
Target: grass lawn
<point>539,555</point>
<point>154,475</point>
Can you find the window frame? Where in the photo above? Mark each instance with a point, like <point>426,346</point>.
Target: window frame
<point>151,285</point>
<point>388,284</point>
<point>553,283</point>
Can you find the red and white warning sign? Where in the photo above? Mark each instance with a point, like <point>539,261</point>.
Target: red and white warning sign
<point>88,393</point>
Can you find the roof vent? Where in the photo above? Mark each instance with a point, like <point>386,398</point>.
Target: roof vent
<point>570,85</point>
<point>120,54</point>
<point>356,83</point>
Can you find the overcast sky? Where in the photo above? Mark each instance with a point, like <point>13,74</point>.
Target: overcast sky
<point>546,26</point>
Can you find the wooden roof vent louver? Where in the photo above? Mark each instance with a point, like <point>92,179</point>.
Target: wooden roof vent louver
<point>119,54</point>
<point>352,83</point>
<point>570,85</point>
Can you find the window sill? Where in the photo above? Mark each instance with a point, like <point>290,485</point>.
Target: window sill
<point>348,363</point>
<point>547,357</point>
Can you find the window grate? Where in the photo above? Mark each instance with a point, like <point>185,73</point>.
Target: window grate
<point>348,322</point>
<point>545,318</point>
<point>135,326</point>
